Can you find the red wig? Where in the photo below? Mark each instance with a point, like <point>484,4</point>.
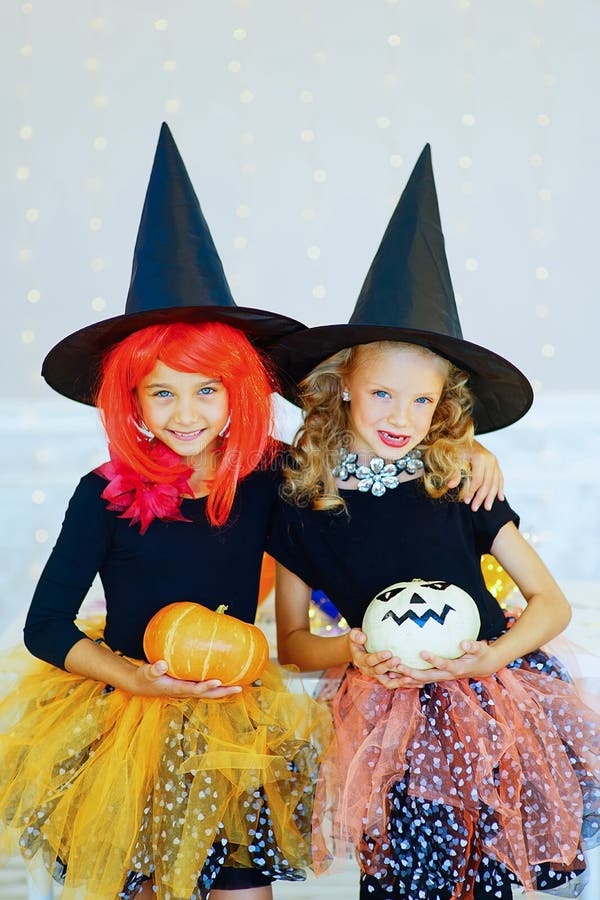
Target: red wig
<point>215,350</point>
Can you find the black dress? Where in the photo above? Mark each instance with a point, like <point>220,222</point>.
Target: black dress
<point>461,787</point>
<point>109,789</point>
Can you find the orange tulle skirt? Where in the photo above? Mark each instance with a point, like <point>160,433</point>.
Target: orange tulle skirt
<point>108,789</point>
<point>432,786</point>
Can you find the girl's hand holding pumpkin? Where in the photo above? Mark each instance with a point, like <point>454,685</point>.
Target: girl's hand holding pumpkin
<point>377,665</point>
<point>198,644</point>
<point>151,680</point>
<point>479,660</point>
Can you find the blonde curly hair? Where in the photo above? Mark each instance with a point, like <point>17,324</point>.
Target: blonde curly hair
<point>308,479</point>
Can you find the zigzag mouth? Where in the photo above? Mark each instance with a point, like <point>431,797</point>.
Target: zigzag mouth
<point>421,621</point>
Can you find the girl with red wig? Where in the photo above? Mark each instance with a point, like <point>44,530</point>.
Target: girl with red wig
<point>115,777</point>
<point>151,783</point>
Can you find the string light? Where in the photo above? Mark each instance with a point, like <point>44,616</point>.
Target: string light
<point>539,232</point>
<point>308,109</point>
<point>244,97</point>
<point>468,134</point>
<point>27,186</point>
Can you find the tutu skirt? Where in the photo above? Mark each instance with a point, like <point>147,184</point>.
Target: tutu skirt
<point>110,789</point>
<point>461,787</point>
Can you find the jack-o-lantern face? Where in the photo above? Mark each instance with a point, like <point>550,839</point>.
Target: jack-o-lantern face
<point>417,615</point>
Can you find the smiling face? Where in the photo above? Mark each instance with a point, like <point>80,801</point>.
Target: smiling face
<point>393,395</point>
<point>186,411</point>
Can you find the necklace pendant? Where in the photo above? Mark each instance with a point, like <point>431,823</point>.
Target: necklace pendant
<point>411,463</point>
<point>378,476</point>
<point>364,485</point>
<point>346,467</point>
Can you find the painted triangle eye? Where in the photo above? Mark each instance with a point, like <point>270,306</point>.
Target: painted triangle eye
<point>437,585</point>
<point>389,594</point>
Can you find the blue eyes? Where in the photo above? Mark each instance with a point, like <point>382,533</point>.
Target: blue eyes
<point>383,395</point>
<point>203,392</point>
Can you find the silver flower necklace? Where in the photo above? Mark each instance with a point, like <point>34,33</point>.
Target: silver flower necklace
<point>378,476</point>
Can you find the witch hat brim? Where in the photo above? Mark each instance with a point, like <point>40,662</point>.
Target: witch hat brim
<point>176,276</point>
<point>502,394</point>
<point>73,367</point>
<point>407,296</point>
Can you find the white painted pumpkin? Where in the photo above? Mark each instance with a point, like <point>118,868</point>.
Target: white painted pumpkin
<point>421,615</point>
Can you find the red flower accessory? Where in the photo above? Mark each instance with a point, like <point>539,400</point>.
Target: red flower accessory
<point>139,499</point>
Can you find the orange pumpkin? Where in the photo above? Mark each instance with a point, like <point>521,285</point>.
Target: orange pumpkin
<point>199,644</point>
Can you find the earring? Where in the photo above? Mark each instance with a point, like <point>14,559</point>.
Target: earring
<point>143,429</point>
<point>345,395</point>
<point>225,427</point>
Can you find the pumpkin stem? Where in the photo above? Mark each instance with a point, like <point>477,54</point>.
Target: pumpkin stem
<point>221,609</point>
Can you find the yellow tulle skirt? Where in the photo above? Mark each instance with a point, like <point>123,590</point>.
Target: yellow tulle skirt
<point>110,789</point>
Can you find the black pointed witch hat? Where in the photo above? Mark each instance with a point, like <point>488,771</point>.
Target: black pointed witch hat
<point>176,276</point>
<point>408,296</point>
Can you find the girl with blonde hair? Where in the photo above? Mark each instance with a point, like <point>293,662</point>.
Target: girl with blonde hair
<point>450,777</point>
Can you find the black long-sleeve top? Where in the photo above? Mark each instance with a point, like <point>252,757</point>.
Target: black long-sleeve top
<point>141,573</point>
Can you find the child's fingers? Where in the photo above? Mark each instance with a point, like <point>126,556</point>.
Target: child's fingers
<point>439,663</point>
<point>497,489</point>
<point>396,680</point>
<point>357,636</point>
<point>384,667</point>
<point>487,483</point>
<point>157,669</point>
<point>217,692</point>
<point>474,648</point>
<point>487,493</point>
<point>480,489</point>
<point>440,670</point>
<point>364,658</point>
<point>379,662</point>
<point>177,687</point>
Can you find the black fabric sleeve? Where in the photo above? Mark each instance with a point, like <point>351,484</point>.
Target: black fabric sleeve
<point>283,542</point>
<point>50,631</point>
<point>488,523</point>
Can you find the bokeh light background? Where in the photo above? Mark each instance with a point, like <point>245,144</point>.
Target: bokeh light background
<point>299,123</point>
